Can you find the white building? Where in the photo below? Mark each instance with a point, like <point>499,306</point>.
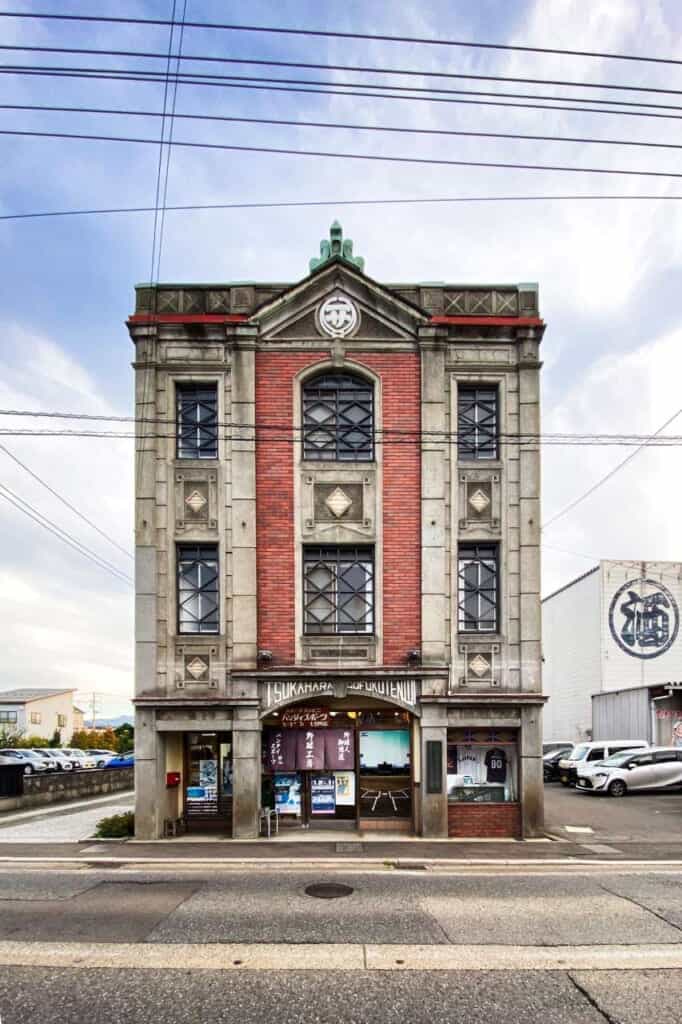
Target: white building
<point>37,712</point>
<point>613,654</point>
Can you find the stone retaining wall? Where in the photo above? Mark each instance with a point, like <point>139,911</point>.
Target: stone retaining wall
<point>59,787</point>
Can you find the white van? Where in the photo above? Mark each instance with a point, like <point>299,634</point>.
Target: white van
<point>599,750</point>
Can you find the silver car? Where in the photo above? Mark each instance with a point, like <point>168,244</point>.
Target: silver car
<point>657,768</point>
<point>60,762</point>
<point>31,762</point>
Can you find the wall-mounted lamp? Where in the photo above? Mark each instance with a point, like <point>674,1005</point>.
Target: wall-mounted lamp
<point>265,657</point>
<point>414,657</point>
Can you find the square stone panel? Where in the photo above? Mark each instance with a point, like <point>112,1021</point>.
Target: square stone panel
<point>337,503</point>
<point>195,501</point>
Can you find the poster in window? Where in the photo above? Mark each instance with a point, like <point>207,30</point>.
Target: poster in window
<point>288,793</point>
<point>345,789</point>
<point>208,773</point>
<point>322,794</point>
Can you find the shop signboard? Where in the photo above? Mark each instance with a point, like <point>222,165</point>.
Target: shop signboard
<point>403,691</point>
<point>322,794</point>
<point>305,718</point>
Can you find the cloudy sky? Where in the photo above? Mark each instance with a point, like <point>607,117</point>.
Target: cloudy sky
<point>609,272</point>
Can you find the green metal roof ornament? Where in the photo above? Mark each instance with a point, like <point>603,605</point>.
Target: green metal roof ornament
<point>337,245</point>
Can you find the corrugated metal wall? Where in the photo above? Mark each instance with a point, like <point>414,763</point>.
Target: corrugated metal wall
<point>624,715</point>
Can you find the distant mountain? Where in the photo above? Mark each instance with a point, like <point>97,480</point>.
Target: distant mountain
<point>113,722</point>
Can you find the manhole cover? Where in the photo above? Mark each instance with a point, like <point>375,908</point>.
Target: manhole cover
<point>328,890</point>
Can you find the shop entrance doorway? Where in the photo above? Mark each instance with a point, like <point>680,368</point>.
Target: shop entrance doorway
<point>339,768</point>
<point>207,794</point>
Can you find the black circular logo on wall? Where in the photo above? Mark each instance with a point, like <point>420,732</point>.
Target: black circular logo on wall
<point>644,618</point>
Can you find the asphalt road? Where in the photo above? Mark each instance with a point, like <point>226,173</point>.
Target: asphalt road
<point>637,817</point>
<point>205,944</point>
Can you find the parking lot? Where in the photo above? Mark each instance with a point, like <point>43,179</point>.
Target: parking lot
<point>652,817</point>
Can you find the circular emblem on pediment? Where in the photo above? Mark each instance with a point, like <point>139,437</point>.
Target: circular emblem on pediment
<point>338,316</point>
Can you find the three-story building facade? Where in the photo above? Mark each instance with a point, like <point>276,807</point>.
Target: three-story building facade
<point>337,537</point>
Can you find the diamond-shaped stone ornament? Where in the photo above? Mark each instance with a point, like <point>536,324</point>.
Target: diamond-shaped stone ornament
<point>197,668</point>
<point>338,503</point>
<point>479,501</point>
<point>479,665</point>
<point>196,501</point>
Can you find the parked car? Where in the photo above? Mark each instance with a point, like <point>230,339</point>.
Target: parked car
<point>549,746</point>
<point>583,753</point>
<point>122,761</point>
<point>61,762</point>
<point>33,762</point>
<point>80,759</point>
<point>656,768</point>
<point>102,757</point>
<point>550,763</point>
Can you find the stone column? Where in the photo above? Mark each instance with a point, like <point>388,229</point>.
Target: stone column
<point>150,776</point>
<point>434,806</point>
<point>433,602</point>
<point>530,636</point>
<point>530,771</point>
<point>246,781</point>
<point>244,579</point>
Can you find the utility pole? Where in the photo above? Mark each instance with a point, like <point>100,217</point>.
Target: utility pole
<point>93,722</point>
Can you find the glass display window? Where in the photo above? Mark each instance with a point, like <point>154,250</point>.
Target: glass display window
<point>385,771</point>
<point>482,765</point>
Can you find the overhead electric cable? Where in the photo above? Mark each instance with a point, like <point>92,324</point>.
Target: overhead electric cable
<point>197,78</point>
<point>64,501</point>
<point>345,126</point>
<point>329,34</point>
<point>189,80</point>
<point>340,202</point>
<point>345,155</point>
<point>62,535</point>
<point>356,68</point>
<point>169,144</point>
<point>645,444</point>
<point>260,436</point>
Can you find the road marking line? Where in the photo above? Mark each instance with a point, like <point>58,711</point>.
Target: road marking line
<point>326,956</point>
<point>578,828</point>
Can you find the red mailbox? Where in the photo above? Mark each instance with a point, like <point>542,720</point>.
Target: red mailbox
<point>172,779</point>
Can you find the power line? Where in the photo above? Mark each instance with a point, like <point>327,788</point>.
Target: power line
<point>66,538</point>
<point>260,437</point>
<point>646,443</point>
<point>169,143</point>
<point>199,78</point>
<point>357,69</point>
<point>68,504</point>
<point>328,34</point>
<point>336,202</point>
<point>383,158</point>
<point>291,122</point>
<point>151,77</point>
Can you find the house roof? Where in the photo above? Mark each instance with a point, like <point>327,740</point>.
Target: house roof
<point>25,696</point>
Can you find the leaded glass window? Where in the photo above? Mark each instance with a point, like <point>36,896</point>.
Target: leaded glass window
<point>198,596</point>
<point>477,422</point>
<point>197,421</point>
<point>338,418</point>
<point>477,597</point>
<point>338,589</point>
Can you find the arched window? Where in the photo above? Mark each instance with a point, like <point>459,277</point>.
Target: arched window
<point>338,418</point>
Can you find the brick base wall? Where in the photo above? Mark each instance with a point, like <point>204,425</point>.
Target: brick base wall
<point>484,821</point>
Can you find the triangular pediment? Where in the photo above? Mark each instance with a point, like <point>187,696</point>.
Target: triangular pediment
<point>341,297</point>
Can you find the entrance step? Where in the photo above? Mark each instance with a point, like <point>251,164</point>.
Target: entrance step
<point>349,848</point>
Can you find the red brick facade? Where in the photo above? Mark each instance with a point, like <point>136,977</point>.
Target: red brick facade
<point>486,821</point>
<point>400,395</point>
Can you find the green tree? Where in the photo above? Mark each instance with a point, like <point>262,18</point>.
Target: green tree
<point>56,740</point>
<point>94,739</point>
<point>125,737</point>
<point>32,741</point>
<point>10,737</point>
